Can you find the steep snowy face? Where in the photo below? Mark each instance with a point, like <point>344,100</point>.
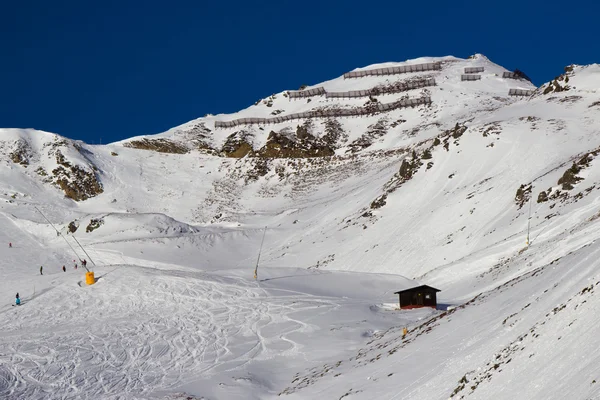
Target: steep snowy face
<point>49,159</point>
<point>351,113</point>
<point>426,153</point>
<point>399,167</point>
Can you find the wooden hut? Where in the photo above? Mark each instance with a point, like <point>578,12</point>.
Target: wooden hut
<point>417,297</point>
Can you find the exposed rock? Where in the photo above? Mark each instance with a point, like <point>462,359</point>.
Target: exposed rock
<point>409,166</point>
<point>282,146</point>
<point>543,196</point>
<point>269,100</point>
<point>334,133</point>
<point>570,177</point>
<point>199,137</point>
<point>458,131</point>
<point>77,183</point>
<point>238,145</point>
<point>560,83</point>
<point>73,227</point>
<point>494,128</point>
<point>159,145</point>
<point>523,195</point>
<point>374,132</point>
<point>454,133</point>
<point>94,224</point>
<point>21,153</point>
<point>379,202</point>
<point>261,168</point>
<point>570,99</point>
<point>305,131</point>
<point>521,75</point>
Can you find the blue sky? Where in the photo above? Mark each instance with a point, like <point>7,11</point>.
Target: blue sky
<point>105,71</point>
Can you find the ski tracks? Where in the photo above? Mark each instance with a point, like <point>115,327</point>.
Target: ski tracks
<point>139,330</point>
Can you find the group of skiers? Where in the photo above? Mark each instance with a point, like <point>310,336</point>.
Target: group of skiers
<point>83,262</point>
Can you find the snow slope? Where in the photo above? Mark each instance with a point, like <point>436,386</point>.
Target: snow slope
<point>440,194</point>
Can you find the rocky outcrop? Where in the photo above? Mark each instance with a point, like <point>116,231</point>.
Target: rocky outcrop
<point>280,145</point>
<point>523,195</point>
<point>159,145</point>
<point>560,83</point>
<point>374,132</point>
<point>77,183</point>
<point>94,224</point>
<point>21,154</point>
<point>238,145</point>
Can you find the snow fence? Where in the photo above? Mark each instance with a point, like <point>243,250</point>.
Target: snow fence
<point>436,66</point>
<point>470,77</point>
<point>299,94</point>
<point>473,70</point>
<point>511,75</point>
<point>348,112</point>
<point>520,92</point>
<point>378,90</point>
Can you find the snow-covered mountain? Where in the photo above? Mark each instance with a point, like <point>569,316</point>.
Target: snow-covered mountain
<point>456,173</point>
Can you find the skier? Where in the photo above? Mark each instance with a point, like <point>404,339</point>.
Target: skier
<point>75,266</point>
<point>64,269</point>
<point>17,300</point>
<point>10,245</point>
<point>41,270</point>
<point>84,263</point>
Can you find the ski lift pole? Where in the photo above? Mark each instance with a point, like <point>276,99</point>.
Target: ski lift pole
<point>259,251</point>
<point>58,232</point>
<point>82,249</point>
<point>529,218</point>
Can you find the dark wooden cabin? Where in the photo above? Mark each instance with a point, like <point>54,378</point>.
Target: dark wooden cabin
<point>417,297</point>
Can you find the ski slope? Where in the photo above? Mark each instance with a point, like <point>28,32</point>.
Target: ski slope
<point>145,328</point>
<point>499,211</point>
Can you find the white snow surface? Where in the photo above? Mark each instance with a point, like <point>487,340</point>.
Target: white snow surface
<point>174,239</point>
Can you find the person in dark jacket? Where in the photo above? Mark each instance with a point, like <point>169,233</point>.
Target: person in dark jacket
<point>64,269</point>
<point>41,270</point>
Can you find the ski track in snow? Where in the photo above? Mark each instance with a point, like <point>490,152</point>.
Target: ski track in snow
<point>138,329</point>
<point>75,352</point>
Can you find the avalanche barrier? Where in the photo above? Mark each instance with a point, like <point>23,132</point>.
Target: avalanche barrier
<point>470,77</point>
<point>299,94</point>
<point>436,66</point>
<point>520,92</point>
<point>394,88</point>
<point>473,70</point>
<point>348,112</point>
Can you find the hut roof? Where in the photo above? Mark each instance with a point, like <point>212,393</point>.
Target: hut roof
<point>417,287</point>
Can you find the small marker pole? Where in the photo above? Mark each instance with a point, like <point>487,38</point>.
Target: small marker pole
<point>529,218</point>
<point>259,251</point>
